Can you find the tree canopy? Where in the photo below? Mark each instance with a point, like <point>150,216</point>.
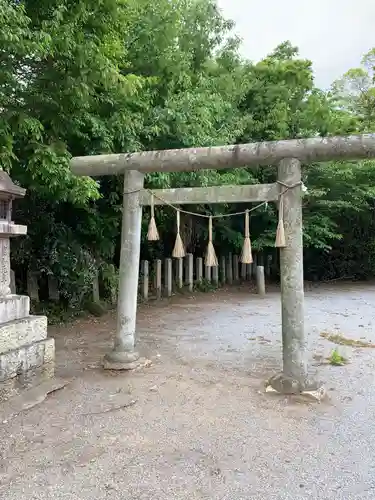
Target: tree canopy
<point>81,77</point>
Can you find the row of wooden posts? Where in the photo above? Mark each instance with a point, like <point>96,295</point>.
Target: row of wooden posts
<point>161,278</point>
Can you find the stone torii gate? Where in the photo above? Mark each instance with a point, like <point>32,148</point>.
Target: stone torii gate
<point>288,156</point>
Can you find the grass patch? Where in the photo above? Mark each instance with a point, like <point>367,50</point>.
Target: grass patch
<point>336,359</point>
<point>205,286</point>
<point>339,339</point>
<point>56,313</point>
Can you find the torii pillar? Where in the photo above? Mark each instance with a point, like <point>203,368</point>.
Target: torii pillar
<point>294,378</point>
<point>124,356</point>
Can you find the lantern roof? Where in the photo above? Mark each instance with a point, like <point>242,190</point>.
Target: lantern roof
<point>7,186</point>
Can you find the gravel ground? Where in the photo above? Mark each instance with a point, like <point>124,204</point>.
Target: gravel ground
<point>196,424</point>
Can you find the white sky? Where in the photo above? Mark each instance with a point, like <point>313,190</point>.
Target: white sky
<point>334,34</point>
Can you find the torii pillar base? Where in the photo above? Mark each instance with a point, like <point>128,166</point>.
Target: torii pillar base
<point>117,360</point>
<point>287,386</point>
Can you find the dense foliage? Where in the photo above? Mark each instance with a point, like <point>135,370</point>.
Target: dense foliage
<point>80,77</point>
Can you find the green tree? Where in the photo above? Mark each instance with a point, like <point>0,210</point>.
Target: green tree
<point>62,93</point>
<point>355,93</point>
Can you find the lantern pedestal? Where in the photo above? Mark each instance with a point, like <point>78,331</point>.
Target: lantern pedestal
<point>26,354</point>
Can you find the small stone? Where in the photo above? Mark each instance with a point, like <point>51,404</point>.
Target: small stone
<point>318,395</point>
<point>269,388</point>
<point>153,388</point>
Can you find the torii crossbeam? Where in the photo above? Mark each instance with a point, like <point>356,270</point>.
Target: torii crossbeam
<point>288,155</point>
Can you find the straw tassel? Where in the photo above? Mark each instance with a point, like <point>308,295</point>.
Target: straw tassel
<point>211,259</point>
<point>152,233</point>
<point>178,250</point>
<point>246,254</point>
<point>280,232</point>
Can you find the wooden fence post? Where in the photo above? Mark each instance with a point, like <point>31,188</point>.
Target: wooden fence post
<point>180,273</point>
<point>207,273</point>
<point>236,277</point>
<point>215,275</point>
<point>261,286</point>
<point>168,277</point>
<point>223,270</point>
<point>253,266</point>
<point>145,279</point>
<point>158,278</point>
<point>243,271</point>
<point>199,269</point>
<point>230,270</point>
<point>95,288</point>
<point>190,271</point>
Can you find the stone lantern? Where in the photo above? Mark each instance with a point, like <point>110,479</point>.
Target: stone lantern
<point>8,192</point>
<point>26,354</point>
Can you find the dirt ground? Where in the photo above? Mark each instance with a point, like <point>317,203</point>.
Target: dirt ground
<point>196,423</point>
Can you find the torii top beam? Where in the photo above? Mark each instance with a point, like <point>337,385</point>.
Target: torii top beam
<point>316,149</point>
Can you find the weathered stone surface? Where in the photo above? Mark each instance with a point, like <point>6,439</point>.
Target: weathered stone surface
<point>26,355</point>
<point>5,266</point>
<point>283,384</point>
<point>18,333</point>
<point>14,307</point>
<point>315,149</point>
<point>10,229</point>
<point>129,264</point>
<point>19,361</point>
<point>291,274</point>
<point>215,194</point>
<point>49,350</point>
<point>117,360</point>
<point>8,187</point>
<point>25,380</point>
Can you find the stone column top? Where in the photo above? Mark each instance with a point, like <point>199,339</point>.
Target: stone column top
<point>8,189</point>
<point>9,229</point>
